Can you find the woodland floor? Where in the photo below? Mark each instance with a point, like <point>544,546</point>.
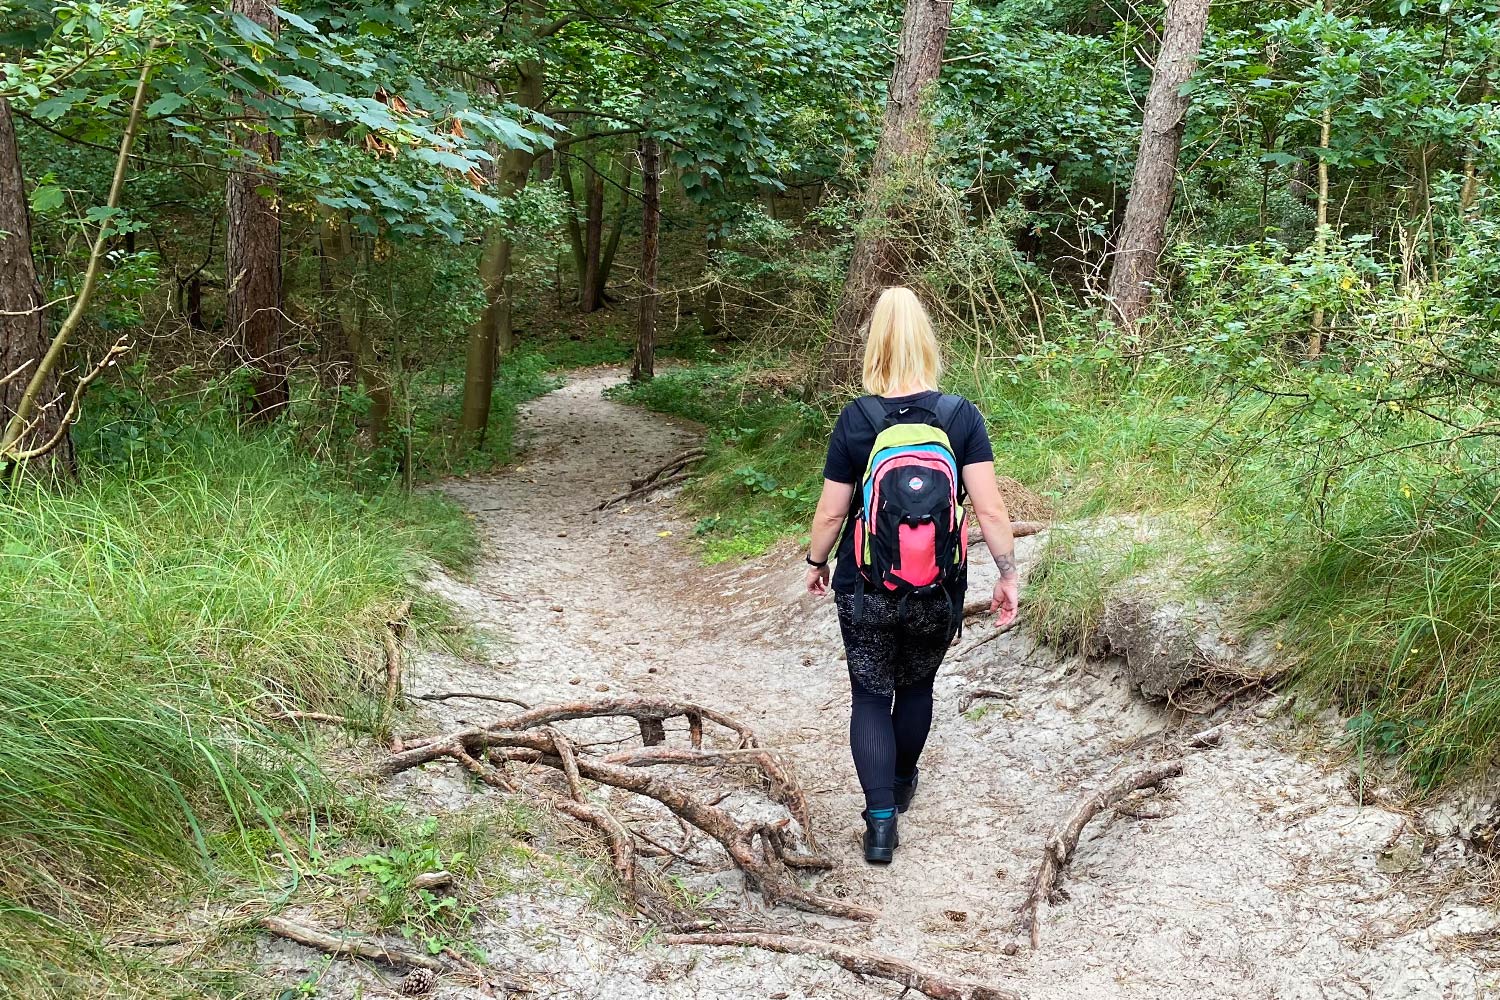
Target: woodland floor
<point>1256,874</point>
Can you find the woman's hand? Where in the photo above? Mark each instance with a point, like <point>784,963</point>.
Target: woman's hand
<point>1006,600</point>
<point>817,579</point>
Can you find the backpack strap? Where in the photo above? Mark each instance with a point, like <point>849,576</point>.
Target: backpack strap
<point>946,409</point>
<point>873,411</point>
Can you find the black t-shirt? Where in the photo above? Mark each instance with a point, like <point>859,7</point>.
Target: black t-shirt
<point>849,453</point>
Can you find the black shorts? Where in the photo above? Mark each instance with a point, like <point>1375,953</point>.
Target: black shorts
<point>888,648</point>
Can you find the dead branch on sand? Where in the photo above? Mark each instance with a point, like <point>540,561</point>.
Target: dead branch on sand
<point>672,472</point>
<point>351,946</point>
<point>856,960</point>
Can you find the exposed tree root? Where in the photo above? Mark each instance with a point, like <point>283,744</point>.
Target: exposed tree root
<point>1063,841</point>
<point>784,786</point>
<point>856,960</point>
<point>766,853</point>
<point>420,751</point>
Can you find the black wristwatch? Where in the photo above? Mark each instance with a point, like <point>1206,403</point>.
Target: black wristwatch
<point>818,565</point>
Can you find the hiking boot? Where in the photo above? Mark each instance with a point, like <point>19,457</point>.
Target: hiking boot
<point>905,790</point>
<point>880,839</point>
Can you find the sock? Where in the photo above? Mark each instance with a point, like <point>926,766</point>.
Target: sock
<point>880,813</point>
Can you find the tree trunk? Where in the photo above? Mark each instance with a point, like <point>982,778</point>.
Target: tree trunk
<point>23,326</point>
<point>607,258</point>
<point>344,267</point>
<point>1154,182</point>
<point>645,341</point>
<point>253,260</point>
<point>904,140</point>
<point>493,334</point>
<point>591,290</point>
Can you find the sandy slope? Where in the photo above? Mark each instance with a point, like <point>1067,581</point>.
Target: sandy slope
<point>1259,877</point>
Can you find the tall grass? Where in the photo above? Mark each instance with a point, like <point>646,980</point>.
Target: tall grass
<point>149,618</point>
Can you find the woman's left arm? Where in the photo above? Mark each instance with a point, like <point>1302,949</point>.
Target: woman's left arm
<point>833,507</point>
<point>994,523</point>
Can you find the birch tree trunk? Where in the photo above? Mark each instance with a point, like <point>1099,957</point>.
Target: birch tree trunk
<point>645,341</point>
<point>904,141</point>
<point>1142,234</point>
<point>23,326</point>
<point>253,259</point>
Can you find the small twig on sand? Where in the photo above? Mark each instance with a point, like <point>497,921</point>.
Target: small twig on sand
<point>1063,841</point>
<point>395,632</point>
<point>856,960</point>
<point>445,695</point>
<point>990,636</point>
<point>332,720</point>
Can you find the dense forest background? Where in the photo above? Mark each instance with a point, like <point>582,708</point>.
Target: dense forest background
<point>1227,275</point>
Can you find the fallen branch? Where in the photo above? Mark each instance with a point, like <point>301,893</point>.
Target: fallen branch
<point>351,946</point>
<point>641,491</point>
<point>856,960</point>
<point>1060,845</point>
<point>670,466</point>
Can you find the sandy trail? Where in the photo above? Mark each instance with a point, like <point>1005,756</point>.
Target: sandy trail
<point>1259,876</point>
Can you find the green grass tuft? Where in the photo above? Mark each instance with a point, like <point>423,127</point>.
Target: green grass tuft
<point>148,619</point>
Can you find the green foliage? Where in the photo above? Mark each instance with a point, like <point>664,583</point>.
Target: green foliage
<point>393,901</point>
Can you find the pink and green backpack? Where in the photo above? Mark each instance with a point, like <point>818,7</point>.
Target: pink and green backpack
<point>910,530</point>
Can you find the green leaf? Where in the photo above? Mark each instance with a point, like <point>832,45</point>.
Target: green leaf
<point>46,197</point>
<point>166,104</point>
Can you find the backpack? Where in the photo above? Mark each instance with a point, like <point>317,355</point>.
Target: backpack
<point>910,527</point>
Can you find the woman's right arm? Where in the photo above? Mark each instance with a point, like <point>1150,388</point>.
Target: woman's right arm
<point>828,520</point>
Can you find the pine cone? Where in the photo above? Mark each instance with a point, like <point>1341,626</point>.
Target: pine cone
<point>417,982</point>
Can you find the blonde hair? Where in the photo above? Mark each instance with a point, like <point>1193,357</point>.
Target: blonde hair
<point>901,351</point>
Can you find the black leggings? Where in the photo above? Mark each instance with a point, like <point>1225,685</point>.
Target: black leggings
<point>893,653</point>
<point>886,734</point>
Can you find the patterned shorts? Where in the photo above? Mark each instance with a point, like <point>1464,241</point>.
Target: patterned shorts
<point>887,649</point>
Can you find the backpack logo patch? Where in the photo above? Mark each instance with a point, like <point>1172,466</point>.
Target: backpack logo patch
<point>915,483</point>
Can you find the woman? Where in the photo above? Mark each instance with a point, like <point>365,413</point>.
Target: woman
<point>895,645</point>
